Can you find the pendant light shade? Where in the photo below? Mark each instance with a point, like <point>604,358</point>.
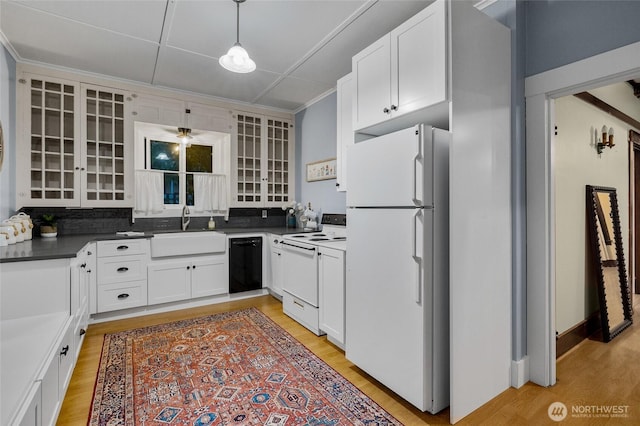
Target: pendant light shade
<point>237,59</point>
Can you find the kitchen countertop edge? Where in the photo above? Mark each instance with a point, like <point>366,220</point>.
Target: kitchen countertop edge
<point>67,246</point>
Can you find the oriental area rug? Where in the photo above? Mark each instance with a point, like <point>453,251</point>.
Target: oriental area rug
<point>234,368</point>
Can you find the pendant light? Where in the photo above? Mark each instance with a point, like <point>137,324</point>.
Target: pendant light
<point>237,59</point>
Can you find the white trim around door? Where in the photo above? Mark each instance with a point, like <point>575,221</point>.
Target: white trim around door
<point>540,91</point>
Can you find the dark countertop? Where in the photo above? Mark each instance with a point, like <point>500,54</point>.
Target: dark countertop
<point>67,246</point>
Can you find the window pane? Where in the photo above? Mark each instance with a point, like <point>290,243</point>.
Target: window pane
<point>171,188</point>
<point>190,192</point>
<point>165,156</point>
<point>199,158</point>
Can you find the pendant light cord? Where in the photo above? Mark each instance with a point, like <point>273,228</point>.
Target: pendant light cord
<point>237,22</point>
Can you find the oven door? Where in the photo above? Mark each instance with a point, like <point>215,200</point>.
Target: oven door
<point>300,270</point>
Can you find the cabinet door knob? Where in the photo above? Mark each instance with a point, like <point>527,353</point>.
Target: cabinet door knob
<point>386,110</point>
<point>84,265</point>
<point>394,107</point>
<point>194,266</point>
<point>82,331</point>
<point>77,168</point>
<point>123,269</point>
<point>188,267</point>
<point>64,351</point>
<point>123,296</point>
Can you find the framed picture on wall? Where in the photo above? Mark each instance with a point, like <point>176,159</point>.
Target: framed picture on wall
<point>321,170</point>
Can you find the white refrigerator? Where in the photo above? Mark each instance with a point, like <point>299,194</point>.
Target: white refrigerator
<point>397,295</point>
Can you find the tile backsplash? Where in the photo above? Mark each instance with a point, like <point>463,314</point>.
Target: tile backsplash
<point>111,220</point>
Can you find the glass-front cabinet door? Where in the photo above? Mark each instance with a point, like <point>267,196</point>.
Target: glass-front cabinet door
<point>50,143</point>
<point>104,145</point>
<point>277,161</point>
<point>264,167</point>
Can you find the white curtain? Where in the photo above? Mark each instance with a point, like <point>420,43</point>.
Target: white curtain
<point>210,193</point>
<point>149,191</point>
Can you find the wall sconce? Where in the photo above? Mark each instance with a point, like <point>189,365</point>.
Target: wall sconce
<point>606,141</point>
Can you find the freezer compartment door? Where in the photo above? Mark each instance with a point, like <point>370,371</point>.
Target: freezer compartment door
<point>389,297</point>
<point>392,170</point>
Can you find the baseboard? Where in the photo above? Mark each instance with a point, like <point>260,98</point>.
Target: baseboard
<point>577,334</point>
<point>519,372</point>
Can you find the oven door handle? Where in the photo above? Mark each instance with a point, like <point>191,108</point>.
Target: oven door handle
<point>298,247</point>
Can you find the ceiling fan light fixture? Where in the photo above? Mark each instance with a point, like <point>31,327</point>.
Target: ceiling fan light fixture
<point>184,134</point>
<point>237,59</point>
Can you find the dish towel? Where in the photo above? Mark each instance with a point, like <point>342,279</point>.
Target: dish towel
<point>149,191</point>
<point>210,193</point>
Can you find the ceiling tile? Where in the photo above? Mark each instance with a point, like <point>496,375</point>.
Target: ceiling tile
<point>201,74</point>
<point>292,93</point>
<point>334,59</point>
<point>142,19</point>
<point>275,33</point>
<point>66,43</point>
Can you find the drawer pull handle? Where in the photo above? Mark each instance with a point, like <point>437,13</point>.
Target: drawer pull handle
<point>123,296</point>
<point>64,351</point>
<point>122,247</point>
<point>298,303</point>
<point>82,331</point>
<point>123,269</point>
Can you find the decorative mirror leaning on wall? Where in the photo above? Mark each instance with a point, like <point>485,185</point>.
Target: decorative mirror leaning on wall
<point>608,260</point>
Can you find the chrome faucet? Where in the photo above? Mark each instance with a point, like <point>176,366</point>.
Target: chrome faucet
<point>185,217</point>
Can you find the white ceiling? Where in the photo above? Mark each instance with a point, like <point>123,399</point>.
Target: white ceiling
<point>301,47</point>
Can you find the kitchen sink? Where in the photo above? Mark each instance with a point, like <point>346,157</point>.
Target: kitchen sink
<point>187,243</point>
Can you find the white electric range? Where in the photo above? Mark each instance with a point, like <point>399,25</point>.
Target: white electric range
<point>300,268</point>
<point>333,233</point>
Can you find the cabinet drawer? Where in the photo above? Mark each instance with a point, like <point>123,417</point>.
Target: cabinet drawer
<point>121,269</point>
<point>123,247</point>
<point>121,296</point>
<point>302,312</point>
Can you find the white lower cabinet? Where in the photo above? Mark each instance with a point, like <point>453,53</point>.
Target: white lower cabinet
<point>56,377</point>
<point>31,415</point>
<point>274,281</point>
<point>122,274</point>
<point>331,285</point>
<point>38,345</point>
<point>170,280</point>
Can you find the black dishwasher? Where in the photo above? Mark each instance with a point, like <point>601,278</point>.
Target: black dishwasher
<point>245,264</point>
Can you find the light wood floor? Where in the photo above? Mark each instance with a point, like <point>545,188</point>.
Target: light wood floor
<point>592,373</point>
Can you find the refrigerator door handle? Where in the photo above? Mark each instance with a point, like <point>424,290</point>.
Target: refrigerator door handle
<point>417,259</point>
<point>417,201</point>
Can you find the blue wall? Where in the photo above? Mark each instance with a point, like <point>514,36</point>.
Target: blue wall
<point>561,32</point>
<point>8,118</point>
<point>316,140</point>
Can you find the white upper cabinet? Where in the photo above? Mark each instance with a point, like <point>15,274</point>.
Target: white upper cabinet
<point>404,71</point>
<point>107,147</point>
<point>74,146</point>
<point>344,125</point>
<point>158,110</point>
<point>264,161</point>
<point>178,113</point>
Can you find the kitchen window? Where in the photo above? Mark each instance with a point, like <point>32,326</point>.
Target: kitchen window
<point>171,174</point>
<point>179,162</point>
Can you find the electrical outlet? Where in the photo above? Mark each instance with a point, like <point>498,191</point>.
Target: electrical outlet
<point>264,214</point>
